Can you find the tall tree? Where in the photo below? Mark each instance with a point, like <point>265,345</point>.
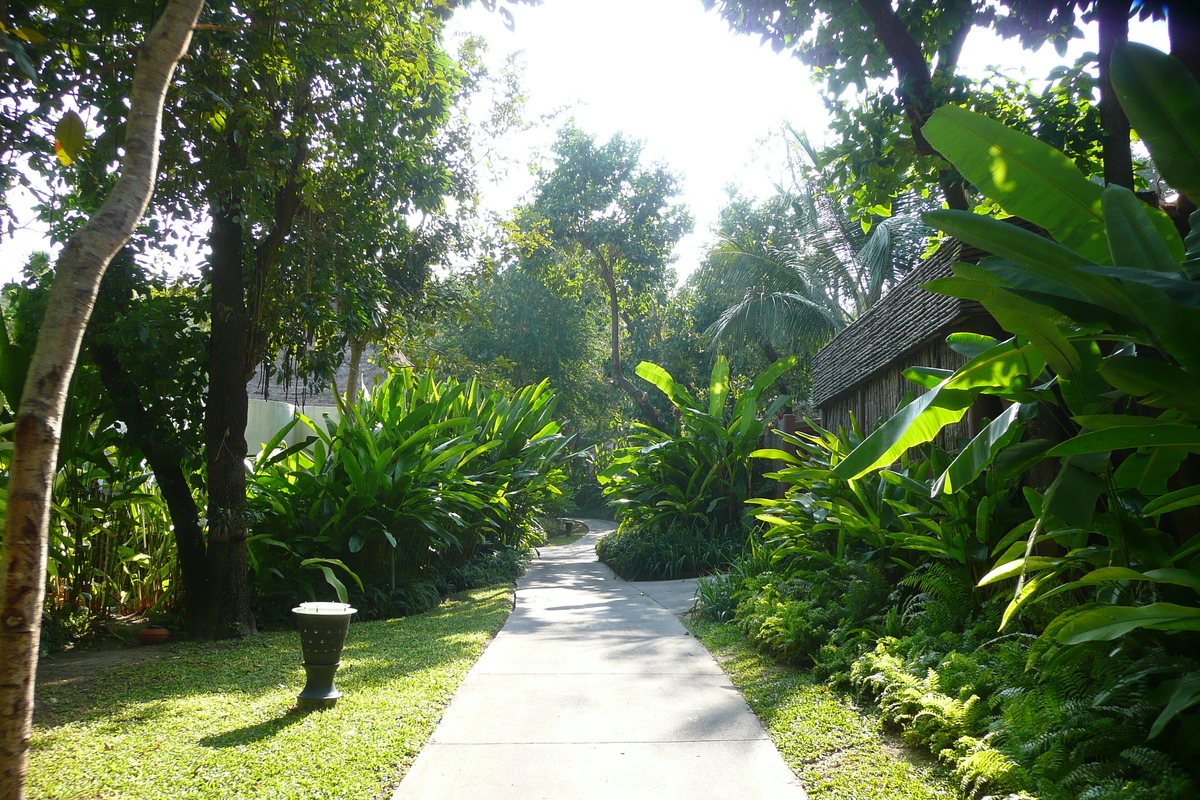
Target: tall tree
<point>794,270</point>
<point>601,219</point>
<point>903,60</point>
<point>78,272</point>
<point>278,102</point>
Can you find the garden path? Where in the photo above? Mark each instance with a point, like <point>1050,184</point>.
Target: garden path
<point>594,690</point>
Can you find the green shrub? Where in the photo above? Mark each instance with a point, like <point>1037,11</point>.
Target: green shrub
<point>416,487</point>
<point>677,551</point>
<point>1104,322</point>
<point>681,499</point>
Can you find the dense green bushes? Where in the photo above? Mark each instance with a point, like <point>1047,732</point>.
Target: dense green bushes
<point>681,499</point>
<point>886,568</point>
<point>422,484</point>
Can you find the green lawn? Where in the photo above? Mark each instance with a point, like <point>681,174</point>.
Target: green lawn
<point>838,751</point>
<point>559,541</point>
<point>215,721</point>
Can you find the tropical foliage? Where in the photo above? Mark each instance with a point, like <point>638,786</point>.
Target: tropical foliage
<point>890,564</point>
<point>1105,325</point>
<point>418,478</point>
<point>680,498</point>
<point>797,268</point>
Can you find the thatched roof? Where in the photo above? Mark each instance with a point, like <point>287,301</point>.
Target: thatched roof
<point>902,321</point>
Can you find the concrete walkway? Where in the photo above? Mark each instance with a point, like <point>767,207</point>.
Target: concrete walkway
<point>593,690</point>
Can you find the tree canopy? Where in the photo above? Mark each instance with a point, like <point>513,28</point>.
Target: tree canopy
<point>600,219</point>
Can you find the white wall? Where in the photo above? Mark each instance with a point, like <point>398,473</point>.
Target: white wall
<point>268,416</point>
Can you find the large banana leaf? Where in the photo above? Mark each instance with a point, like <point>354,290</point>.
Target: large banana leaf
<point>1004,239</point>
<point>718,387</point>
<point>1134,239</point>
<point>1015,313</point>
<point>980,452</point>
<point>1006,365</point>
<point>666,384</point>
<point>1026,177</point>
<point>1107,622</point>
<point>1162,101</point>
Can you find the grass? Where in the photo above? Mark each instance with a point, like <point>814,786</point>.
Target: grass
<point>216,719</point>
<point>836,750</point>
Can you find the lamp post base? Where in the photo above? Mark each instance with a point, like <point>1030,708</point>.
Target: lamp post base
<point>319,691</point>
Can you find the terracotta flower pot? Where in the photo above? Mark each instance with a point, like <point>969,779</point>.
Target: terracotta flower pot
<point>153,635</point>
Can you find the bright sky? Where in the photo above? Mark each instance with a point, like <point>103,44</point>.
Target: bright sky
<point>701,97</point>
<point>672,75</point>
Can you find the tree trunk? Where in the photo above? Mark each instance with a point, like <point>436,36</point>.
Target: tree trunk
<point>355,377</point>
<point>227,612</point>
<point>39,419</point>
<point>1118,160</point>
<point>1183,26</point>
<point>916,81</point>
<point>150,438</point>
<point>649,411</point>
<point>237,343</point>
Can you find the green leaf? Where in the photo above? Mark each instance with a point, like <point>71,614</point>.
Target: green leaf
<point>970,344</point>
<point>324,564</point>
<point>778,455</point>
<point>1162,101</point>
<point>916,423</point>
<point>772,374</point>
<point>1134,238</point>
<point>1004,239</point>
<point>919,421</point>
<point>1016,314</point>
<point>718,387</point>
<point>979,452</point>
<point>14,364</point>
<point>666,384</point>
<point>1182,498</point>
<point>1147,473</point>
<point>1020,566</point>
<point>927,377</point>
<point>1156,383</point>
<point>69,138</point>
<point>1130,437</point>
<point>1184,693</point>
<point>1105,623</point>
<point>1073,494</point>
<point>1028,178</point>
<point>1175,285</point>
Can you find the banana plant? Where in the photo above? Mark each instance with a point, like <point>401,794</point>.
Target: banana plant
<point>702,476</point>
<point>1106,317</point>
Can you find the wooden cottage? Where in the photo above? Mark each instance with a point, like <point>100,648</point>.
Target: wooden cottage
<point>860,371</point>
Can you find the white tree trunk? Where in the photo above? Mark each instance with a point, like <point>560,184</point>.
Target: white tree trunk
<point>39,420</point>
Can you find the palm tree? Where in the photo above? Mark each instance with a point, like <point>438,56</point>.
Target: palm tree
<point>796,270</point>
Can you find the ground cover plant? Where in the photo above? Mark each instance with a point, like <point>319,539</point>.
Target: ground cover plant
<point>214,719</point>
<point>681,498</point>
<point>837,751</point>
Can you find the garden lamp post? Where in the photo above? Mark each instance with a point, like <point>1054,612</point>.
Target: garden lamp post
<point>323,629</point>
